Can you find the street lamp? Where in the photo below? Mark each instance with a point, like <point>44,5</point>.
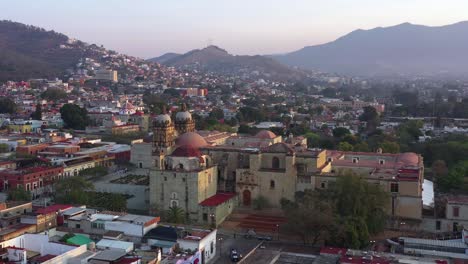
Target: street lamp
<point>220,246</point>
<point>277,230</point>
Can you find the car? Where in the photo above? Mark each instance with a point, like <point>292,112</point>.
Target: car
<point>234,255</point>
<point>264,238</point>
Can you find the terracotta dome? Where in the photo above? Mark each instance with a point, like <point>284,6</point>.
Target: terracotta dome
<point>265,134</point>
<point>409,158</point>
<point>163,118</point>
<point>186,151</point>
<point>183,116</point>
<point>191,138</point>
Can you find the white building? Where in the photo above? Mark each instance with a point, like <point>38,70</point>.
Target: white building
<point>48,252</point>
<point>204,242</point>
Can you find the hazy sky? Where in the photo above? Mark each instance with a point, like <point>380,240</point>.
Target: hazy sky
<point>148,28</point>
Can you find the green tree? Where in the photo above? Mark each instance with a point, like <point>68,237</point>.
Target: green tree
<point>260,203</point>
<point>73,190</point>
<point>217,113</point>
<point>361,147</point>
<point>4,148</point>
<point>7,106</point>
<point>175,215</point>
<point>74,116</point>
<point>371,117</point>
<point>361,212</point>
<point>19,194</point>
<point>313,140</point>
<point>439,168</point>
<point>345,146</point>
<point>37,115</point>
<point>454,179</point>
<point>311,214</point>
<point>390,147</point>
<point>54,94</point>
<point>116,202</point>
<point>340,132</point>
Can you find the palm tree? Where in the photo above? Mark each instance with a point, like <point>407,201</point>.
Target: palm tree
<point>175,215</point>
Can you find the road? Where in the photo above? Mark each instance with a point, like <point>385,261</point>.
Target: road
<point>227,242</point>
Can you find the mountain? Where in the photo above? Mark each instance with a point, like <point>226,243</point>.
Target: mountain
<point>165,57</point>
<point>401,49</point>
<point>216,60</point>
<point>32,52</point>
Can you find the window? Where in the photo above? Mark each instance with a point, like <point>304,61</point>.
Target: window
<point>275,163</point>
<point>183,179</point>
<point>437,225</point>
<point>205,217</point>
<point>394,187</point>
<point>323,185</point>
<point>355,159</point>
<point>456,211</point>
<point>272,184</point>
<point>211,247</point>
<point>174,196</point>
<point>174,203</point>
<point>165,178</point>
<point>77,226</point>
<point>381,162</point>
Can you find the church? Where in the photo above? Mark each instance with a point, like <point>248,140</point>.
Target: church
<point>209,173</point>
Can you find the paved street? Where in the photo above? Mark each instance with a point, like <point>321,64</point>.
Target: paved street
<point>226,242</point>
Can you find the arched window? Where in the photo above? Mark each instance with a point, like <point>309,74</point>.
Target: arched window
<point>181,166</point>
<point>174,204</point>
<point>174,196</point>
<point>275,163</point>
<point>272,184</point>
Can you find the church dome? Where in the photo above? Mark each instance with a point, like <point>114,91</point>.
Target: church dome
<point>265,134</point>
<point>163,119</point>
<point>193,139</point>
<point>186,151</point>
<point>183,116</point>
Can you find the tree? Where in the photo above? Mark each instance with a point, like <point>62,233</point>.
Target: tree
<point>217,113</point>
<point>361,212</point>
<point>37,115</point>
<point>7,106</point>
<point>340,132</point>
<point>454,179</point>
<point>73,190</point>
<point>371,117</point>
<point>260,203</point>
<point>313,140</point>
<point>390,147</point>
<point>74,116</point>
<point>311,214</point>
<point>175,215</point>
<point>19,194</point>
<point>439,168</point>
<point>54,94</point>
<point>361,147</point>
<point>345,146</point>
<point>116,202</point>
<point>4,148</point>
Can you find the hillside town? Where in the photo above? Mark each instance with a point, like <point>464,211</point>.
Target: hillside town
<point>123,160</point>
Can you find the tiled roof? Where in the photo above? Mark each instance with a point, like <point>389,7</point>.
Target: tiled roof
<point>217,199</point>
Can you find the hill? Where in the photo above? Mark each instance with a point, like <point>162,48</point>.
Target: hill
<point>32,52</point>
<point>216,60</point>
<point>165,57</point>
<point>403,49</point>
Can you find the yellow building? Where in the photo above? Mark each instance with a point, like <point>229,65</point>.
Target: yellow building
<point>20,127</point>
